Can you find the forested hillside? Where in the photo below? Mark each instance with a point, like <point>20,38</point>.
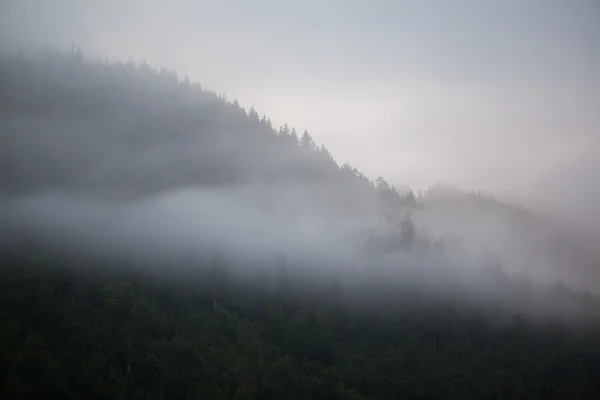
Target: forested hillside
<point>158,241</point>
<point>110,331</point>
<point>126,129</point>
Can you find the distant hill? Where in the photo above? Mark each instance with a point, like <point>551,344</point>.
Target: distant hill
<point>159,241</point>
<point>126,131</point>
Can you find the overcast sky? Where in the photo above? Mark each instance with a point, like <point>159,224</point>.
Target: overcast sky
<point>502,96</point>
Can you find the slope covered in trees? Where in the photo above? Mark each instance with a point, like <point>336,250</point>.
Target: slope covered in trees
<point>127,129</point>
<point>280,275</point>
<point>102,331</point>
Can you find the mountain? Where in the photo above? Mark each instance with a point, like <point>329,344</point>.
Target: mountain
<point>159,241</point>
<point>125,131</point>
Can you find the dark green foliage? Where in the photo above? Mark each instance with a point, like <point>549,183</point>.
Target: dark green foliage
<point>106,333</point>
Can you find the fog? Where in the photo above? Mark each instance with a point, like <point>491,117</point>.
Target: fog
<point>186,228</point>
<point>495,97</point>
<point>119,160</point>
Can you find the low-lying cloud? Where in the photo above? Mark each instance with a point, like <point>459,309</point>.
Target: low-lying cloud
<point>123,162</point>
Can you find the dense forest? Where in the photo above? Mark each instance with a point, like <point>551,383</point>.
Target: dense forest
<point>280,275</point>
<point>96,330</point>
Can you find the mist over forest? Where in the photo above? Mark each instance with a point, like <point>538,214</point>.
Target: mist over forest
<point>122,163</point>
<point>123,158</point>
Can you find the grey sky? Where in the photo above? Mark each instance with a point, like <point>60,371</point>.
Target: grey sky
<point>502,96</point>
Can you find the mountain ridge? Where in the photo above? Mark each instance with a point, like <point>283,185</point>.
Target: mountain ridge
<point>124,132</point>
